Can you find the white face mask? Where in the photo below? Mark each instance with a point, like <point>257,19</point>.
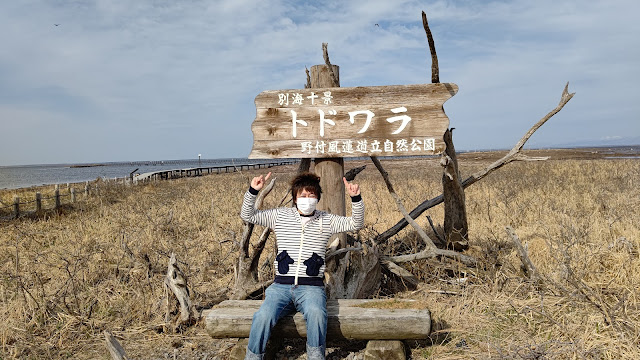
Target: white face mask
<point>306,205</point>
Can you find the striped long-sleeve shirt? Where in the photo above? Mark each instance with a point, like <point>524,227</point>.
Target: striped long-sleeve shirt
<point>301,248</point>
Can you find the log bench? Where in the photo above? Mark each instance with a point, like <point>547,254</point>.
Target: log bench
<point>356,319</point>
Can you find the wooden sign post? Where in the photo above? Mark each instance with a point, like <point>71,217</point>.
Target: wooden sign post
<point>331,123</point>
<point>330,169</point>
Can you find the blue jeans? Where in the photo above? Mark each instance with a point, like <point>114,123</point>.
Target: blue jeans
<point>281,300</point>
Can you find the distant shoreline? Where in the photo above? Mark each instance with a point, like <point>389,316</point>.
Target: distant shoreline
<point>614,149</point>
<point>78,173</point>
<point>87,165</point>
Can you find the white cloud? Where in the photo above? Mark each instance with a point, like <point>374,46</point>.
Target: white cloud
<point>182,72</point>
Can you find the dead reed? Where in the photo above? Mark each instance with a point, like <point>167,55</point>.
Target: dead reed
<point>99,264</point>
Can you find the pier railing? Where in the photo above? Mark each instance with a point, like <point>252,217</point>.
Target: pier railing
<point>198,171</point>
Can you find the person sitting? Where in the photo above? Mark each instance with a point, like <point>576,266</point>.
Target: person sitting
<point>302,234</point>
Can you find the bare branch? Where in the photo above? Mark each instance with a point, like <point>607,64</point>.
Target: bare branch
<point>522,157</point>
<point>530,270</point>
<point>400,271</point>
<point>351,174</point>
<point>511,156</point>
<point>401,207</point>
<point>438,235</point>
<point>430,253</point>
<point>566,96</point>
<point>259,248</point>
<point>435,70</point>
<point>115,349</point>
<point>333,253</point>
<point>325,54</point>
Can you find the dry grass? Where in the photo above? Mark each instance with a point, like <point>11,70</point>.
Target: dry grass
<point>99,264</point>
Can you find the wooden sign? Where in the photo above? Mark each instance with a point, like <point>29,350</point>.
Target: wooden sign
<point>398,120</point>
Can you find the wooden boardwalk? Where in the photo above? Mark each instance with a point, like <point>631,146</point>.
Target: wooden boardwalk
<point>199,171</point>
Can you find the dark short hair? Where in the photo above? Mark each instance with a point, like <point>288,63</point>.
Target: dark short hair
<point>306,181</point>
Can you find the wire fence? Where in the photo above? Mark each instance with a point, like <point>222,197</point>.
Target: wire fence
<point>21,207</point>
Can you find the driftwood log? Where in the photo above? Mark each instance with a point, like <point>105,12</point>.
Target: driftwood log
<point>347,320</point>
<point>175,283</point>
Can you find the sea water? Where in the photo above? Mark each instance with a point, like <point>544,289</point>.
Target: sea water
<point>13,177</point>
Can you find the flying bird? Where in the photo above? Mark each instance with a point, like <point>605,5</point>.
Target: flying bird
<point>56,24</point>
<point>377,25</point>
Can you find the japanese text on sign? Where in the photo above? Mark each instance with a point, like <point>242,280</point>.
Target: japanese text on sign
<point>298,99</point>
<point>365,147</point>
<point>342,122</point>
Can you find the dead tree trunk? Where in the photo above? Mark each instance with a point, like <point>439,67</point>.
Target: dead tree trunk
<point>456,229</point>
<point>354,275</point>
<point>513,155</point>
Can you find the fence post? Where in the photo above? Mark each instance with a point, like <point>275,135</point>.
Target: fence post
<point>38,202</point>
<point>73,195</point>
<point>16,206</point>
<point>86,189</point>
<point>57,195</point>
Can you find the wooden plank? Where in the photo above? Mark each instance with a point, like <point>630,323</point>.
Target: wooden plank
<point>233,319</point>
<point>399,112</point>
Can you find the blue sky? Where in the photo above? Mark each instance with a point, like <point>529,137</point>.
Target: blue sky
<point>137,80</point>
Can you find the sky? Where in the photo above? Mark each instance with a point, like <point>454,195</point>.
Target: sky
<point>120,80</point>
